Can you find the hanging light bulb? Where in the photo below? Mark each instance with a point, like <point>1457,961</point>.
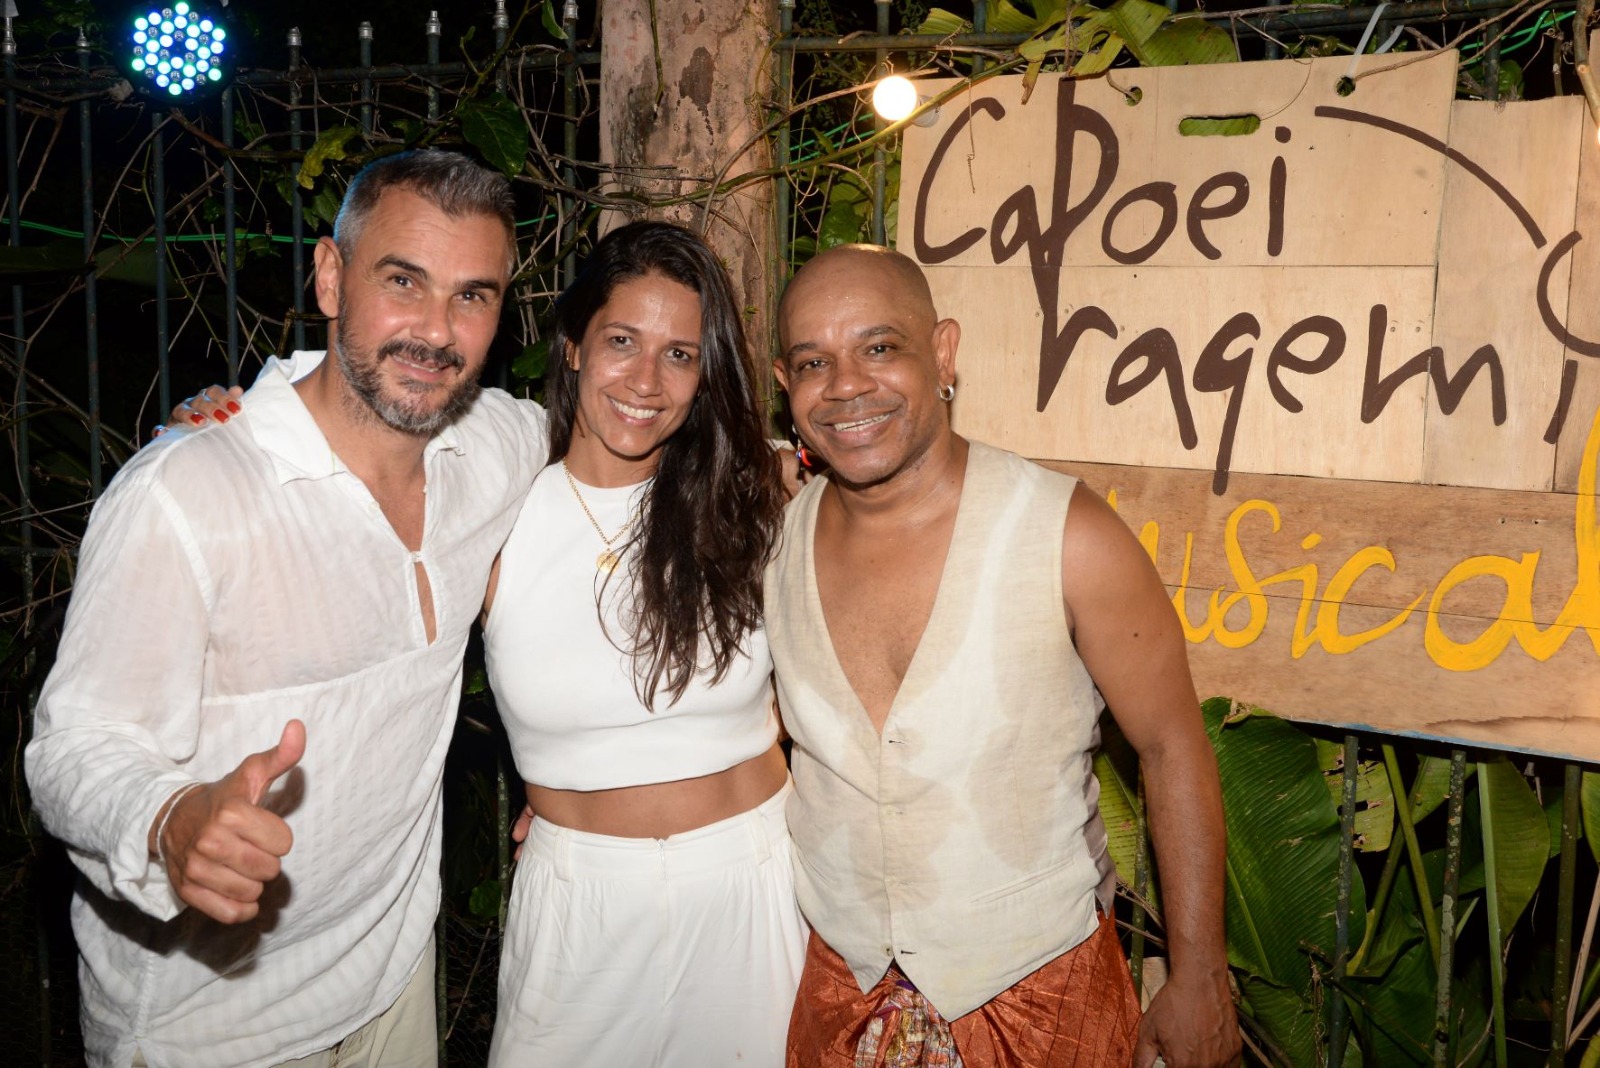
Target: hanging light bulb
<point>895,98</point>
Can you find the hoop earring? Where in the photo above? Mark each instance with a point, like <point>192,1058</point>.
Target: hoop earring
<point>947,393</point>
<point>806,460</point>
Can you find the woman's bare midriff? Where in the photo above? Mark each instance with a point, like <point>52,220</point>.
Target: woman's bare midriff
<point>660,810</point>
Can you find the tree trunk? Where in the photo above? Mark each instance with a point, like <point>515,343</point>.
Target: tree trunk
<point>681,91</point>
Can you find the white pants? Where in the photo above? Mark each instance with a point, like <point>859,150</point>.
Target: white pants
<point>680,952</point>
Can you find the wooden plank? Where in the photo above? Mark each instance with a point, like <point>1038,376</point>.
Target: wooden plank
<point>1582,307</point>
<point>1352,193</point>
<point>1489,271</point>
<point>999,366</point>
<point>1290,619</point>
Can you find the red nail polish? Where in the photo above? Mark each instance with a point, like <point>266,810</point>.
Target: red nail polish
<point>233,406</point>
<point>197,419</point>
<point>221,417</point>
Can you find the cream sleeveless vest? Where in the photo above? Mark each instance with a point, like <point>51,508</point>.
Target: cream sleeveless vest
<point>965,843</point>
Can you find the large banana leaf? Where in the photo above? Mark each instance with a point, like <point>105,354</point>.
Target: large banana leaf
<point>1393,1011</point>
<point>1432,785</point>
<point>1400,926</point>
<point>44,263</point>
<point>1374,822</point>
<point>1283,862</point>
<point>1183,42</point>
<point>1117,768</point>
<point>1521,841</point>
<point>1589,796</point>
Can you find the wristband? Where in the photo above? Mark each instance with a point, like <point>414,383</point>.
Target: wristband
<point>172,807</point>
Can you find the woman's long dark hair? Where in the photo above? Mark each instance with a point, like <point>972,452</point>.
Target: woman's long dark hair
<point>711,517</point>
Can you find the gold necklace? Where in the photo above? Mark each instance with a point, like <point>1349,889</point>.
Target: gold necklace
<point>609,558</point>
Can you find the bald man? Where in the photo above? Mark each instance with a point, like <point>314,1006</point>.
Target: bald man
<point>944,619</point>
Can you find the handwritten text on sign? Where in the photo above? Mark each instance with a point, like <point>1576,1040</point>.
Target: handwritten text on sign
<point>1370,289</point>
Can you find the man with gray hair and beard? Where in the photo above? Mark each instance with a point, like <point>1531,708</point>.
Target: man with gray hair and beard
<point>242,740</point>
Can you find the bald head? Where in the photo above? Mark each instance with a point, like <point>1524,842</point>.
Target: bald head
<point>866,363</point>
<point>847,269</point>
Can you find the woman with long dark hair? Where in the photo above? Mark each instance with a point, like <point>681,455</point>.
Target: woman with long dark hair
<point>652,920</point>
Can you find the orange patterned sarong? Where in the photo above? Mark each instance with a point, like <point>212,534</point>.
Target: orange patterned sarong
<point>1078,1011</point>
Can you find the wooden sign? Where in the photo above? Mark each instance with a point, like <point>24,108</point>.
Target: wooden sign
<point>1341,374</point>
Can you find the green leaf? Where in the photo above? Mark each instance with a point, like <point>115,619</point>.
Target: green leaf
<point>1098,56</point>
<point>531,362</point>
<point>1135,21</point>
<point>848,215</point>
<point>547,16</point>
<point>944,23</point>
<point>1374,795</point>
<point>36,263</point>
<point>1400,926</point>
<point>1232,126</point>
<point>1185,42</point>
<point>1005,17</point>
<point>1040,45</point>
<point>1119,808</point>
<point>1432,785</point>
<point>1521,840</point>
<point>331,145</point>
<point>485,899</point>
<point>495,127</point>
<point>1282,870</point>
<point>248,131</point>
<point>410,130</point>
<point>477,682</point>
<point>324,206</point>
<point>1393,1013</point>
<point>1589,800</point>
<point>1511,87</point>
<point>1554,802</point>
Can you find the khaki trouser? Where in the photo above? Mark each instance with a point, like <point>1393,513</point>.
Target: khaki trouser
<point>405,1036</point>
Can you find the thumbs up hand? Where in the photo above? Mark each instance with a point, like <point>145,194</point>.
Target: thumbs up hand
<point>220,846</point>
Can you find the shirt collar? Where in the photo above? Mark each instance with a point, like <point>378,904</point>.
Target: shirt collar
<point>284,428</point>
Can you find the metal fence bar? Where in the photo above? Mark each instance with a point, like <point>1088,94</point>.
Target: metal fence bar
<point>364,36</point>
<point>230,223</point>
<point>880,157</point>
<point>1329,18</point>
<point>1491,69</point>
<point>1491,908</point>
<point>71,85</point>
<point>18,319</point>
<point>980,24</point>
<point>432,32</point>
<point>91,295</point>
<point>297,225</point>
<point>502,28</point>
<point>1141,889</point>
<point>569,140</point>
<point>1571,790</point>
<point>158,207</point>
<point>1337,1022</point>
<point>1447,909</point>
<point>41,941</point>
<point>783,192</point>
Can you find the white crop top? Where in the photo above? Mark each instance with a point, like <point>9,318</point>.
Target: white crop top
<point>566,692</point>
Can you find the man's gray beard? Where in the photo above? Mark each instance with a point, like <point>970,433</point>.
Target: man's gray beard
<point>367,384</point>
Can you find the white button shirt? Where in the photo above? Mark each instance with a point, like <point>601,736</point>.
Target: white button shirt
<point>232,580</point>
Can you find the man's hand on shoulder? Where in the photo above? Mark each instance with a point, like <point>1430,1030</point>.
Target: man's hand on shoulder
<point>1190,1025</point>
<point>220,847</point>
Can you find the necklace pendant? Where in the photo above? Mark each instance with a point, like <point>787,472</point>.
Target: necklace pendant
<point>607,562</point>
